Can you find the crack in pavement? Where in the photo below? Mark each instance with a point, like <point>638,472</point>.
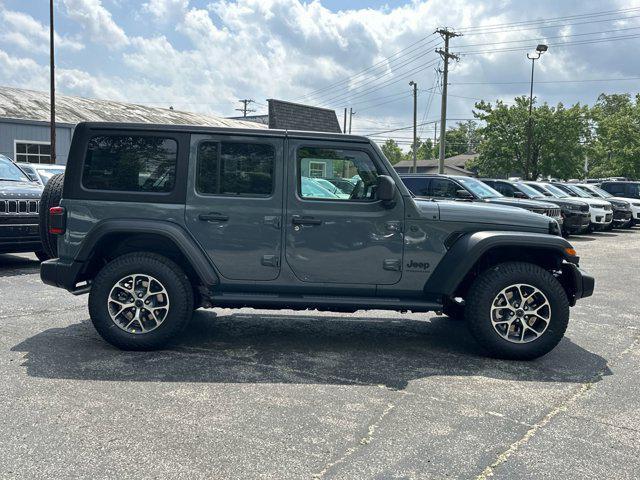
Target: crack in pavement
<point>365,440</point>
<point>562,407</point>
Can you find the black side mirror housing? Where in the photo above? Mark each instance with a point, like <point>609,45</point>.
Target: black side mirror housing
<point>463,194</point>
<point>386,189</point>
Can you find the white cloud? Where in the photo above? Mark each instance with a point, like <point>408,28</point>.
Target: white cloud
<point>27,33</point>
<point>164,11</point>
<point>97,21</point>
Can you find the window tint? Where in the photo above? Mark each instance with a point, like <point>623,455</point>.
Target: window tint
<point>443,188</point>
<point>228,168</point>
<point>130,163</point>
<point>327,173</point>
<point>613,188</point>
<point>505,189</point>
<point>417,186</point>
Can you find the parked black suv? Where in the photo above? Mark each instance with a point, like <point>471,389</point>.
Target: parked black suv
<point>454,187</point>
<point>19,204</point>
<point>155,221</point>
<point>575,214</point>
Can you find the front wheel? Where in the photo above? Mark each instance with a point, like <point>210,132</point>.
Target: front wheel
<point>140,301</point>
<point>517,311</point>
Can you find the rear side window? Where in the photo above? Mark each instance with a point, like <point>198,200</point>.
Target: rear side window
<point>130,163</point>
<point>417,186</point>
<point>228,168</point>
<point>613,187</point>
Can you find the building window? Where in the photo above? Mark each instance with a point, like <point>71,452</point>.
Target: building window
<point>32,152</point>
<point>317,169</point>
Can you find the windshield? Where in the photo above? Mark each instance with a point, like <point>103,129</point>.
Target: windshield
<point>555,191</point>
<point>601,192</point>
<point>9,171</point>
<point>578,191</point>
<point>479,189</point>
<point>529,191</point>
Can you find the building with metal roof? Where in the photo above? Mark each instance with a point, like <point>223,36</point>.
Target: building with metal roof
<point>24,121</point>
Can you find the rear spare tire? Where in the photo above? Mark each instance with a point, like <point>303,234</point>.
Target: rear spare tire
<point>51,196</point>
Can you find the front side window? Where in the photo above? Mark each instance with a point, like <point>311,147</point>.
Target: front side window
<point>443,188</point>
<point>130,163</point>
<point>505,189</point>
<point>229,168</point>
<point>336,174</point>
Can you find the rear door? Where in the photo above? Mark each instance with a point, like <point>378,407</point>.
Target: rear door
<point>234,203</point>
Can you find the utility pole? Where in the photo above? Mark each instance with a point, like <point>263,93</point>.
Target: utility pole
<point>52,91</point>
<point>446,34</point>
<point>415,125</point>
<point>435,133</point>
<point>344,125</point>
<point>245,102</point>
<point>351,114</point>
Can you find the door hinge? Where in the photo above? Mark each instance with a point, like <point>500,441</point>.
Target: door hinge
<point>271,260</point>
<point>392,264</point>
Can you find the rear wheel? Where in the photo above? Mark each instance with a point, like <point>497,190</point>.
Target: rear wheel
<point>517,311</point>
<point>51,196</point>
<point>140,301</point>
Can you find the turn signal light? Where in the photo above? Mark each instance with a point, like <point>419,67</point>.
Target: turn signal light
<point>571,252</point>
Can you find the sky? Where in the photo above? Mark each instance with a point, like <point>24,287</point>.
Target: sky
<point>204,55</point>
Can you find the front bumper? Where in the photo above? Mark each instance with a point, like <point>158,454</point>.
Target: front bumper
<point>576,282</point>
<point>19,235</point>
<point>621,217</point>
<point>601,217</point>
<point>576,222</point>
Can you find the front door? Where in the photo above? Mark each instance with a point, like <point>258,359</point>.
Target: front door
<point>336,230</point>
<point>234,203</point>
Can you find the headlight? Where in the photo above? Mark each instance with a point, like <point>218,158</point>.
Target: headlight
<point>636,204</point>
<point>574,208</point>
<point>554,228</point>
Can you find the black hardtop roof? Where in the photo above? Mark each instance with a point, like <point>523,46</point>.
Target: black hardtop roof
<point>262,132</point>
<point>443,175</point>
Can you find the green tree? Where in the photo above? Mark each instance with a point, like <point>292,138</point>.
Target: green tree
<point>615,150</point>
<point>558,139</point>
<point>392,151</point>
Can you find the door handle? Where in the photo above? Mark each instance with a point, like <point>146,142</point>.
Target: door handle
<point>213,217</point>
<point>299,220</point>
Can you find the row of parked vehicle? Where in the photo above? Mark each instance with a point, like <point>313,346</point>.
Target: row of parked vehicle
<point>577,207</point>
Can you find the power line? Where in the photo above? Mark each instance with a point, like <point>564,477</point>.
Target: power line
<point>383,62</point>
<point>552,19</point>
<point>549,81</point>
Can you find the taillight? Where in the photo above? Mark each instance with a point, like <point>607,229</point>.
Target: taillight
<point>57,220</point>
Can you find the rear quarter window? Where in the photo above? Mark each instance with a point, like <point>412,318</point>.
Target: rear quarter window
<point>130,163</point>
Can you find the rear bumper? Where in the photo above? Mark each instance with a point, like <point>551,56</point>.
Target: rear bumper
<point>61,274</point>
<point>576,282</point>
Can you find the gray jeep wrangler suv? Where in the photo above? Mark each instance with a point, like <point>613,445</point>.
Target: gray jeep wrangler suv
<point>154,221</point>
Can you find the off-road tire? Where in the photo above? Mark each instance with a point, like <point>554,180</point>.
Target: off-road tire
<point>485,289</point>
<point>171,276</point>
<point>51,196</point>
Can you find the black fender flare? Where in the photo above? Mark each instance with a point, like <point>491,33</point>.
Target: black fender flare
<point>469,248</point>
<point>172,231</point>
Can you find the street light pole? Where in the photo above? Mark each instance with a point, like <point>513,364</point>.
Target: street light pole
<point>540,49</point>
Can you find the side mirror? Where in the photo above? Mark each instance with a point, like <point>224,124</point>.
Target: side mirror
<point>519,195</point>
<point>386,189</point>
<point>463,194</point>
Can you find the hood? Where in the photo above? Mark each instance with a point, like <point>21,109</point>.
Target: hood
<point>619,202</point>
<point>593,202</point>
<point>566,202</point>
<point>522,203</point>
<point>19,190</point>
<point>487,213</point>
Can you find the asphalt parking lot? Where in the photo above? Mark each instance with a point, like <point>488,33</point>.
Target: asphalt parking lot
<point>280,394</point>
